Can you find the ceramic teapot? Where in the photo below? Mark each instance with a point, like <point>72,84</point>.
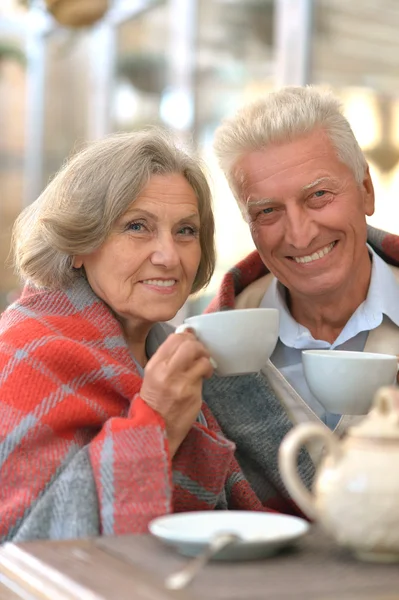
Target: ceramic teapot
<point>355,495</point>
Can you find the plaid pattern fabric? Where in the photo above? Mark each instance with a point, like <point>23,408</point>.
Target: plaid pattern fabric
<point>80,451</point>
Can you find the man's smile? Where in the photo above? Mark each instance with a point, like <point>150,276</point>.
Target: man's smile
<point>317,255</point>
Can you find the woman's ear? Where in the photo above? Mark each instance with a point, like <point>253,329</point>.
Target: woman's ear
<point>77,262</point>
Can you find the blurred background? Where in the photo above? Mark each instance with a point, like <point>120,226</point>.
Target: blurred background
<point>75,70</point>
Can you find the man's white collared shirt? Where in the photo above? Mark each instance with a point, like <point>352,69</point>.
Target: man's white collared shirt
<point>382,302</point>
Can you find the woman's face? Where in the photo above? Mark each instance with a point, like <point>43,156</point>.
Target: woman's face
<point>146,268</point>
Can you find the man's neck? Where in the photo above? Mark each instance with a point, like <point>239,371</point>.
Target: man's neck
<point>326,316</point>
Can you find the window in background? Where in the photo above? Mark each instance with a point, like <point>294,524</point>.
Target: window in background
<point>235,64</point>
<point>356,52</point>
<point>66,97</point>
<point>141,69</point>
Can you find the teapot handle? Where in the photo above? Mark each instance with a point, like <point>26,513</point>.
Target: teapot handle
<point>288,453</point>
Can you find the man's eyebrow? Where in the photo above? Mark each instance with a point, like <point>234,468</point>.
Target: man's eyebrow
<point>308,186</point>
<point>265,201</point>
<point>259,202</point>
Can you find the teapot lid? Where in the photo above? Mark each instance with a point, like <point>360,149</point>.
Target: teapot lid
<point>383,419</point>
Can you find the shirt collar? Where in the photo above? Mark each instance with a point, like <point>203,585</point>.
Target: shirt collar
<point>382,299</point>
<point>289,330</point>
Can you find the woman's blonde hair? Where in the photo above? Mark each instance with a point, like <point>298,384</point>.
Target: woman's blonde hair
<point>77,210</point>
<point>282,116</point>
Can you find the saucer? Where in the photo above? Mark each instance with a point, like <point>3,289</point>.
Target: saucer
<point>262,534</point>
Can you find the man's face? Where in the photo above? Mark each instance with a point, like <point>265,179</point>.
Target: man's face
<point>306,213</point>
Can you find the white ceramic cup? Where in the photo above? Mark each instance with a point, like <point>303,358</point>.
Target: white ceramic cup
<point>239,341</point>
<point>346,382</point>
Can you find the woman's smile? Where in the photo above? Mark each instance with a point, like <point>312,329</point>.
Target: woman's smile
<point>160,285</point>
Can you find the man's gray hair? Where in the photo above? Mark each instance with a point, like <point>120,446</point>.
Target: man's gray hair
<point>282,116</point>
<point>76,212</point>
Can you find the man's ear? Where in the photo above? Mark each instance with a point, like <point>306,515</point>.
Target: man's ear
<point>77,262</point>
<point>368,193</point>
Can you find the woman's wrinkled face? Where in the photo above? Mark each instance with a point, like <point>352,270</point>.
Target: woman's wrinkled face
<point>146,268</point>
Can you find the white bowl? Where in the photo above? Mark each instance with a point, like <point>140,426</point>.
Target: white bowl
<point>346,382</point>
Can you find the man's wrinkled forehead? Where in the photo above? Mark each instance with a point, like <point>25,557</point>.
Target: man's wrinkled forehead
<point>312,153</point>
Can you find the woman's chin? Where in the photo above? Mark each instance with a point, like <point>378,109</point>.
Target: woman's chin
<point>162,315</point>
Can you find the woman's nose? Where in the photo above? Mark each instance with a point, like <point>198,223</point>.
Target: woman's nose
<point>166,253</point>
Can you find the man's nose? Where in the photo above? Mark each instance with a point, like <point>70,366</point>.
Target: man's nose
<point>166,253</point>
<point>301,229</point>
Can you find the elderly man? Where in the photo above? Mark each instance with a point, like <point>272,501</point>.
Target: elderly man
<point>304,187</point>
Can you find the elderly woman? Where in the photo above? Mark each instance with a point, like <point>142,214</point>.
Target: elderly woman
<point>101,426</point>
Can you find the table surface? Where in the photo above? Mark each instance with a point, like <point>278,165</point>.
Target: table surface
<point>133,567</point>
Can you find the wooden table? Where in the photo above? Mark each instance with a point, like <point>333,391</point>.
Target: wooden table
<point>133,568</point>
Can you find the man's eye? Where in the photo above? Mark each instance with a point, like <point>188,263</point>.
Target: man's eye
<point>267,211</point>
<point>319,193</point>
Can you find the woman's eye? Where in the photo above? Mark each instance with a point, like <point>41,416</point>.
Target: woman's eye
<point>139,227</point>
<point>188,230</point>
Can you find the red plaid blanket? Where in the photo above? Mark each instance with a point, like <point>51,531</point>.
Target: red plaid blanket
<point>80,451</point>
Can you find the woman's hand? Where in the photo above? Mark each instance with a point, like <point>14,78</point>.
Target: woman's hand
<point>172,383</point>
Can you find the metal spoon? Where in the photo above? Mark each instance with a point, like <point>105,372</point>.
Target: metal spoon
<point>180,579</point>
